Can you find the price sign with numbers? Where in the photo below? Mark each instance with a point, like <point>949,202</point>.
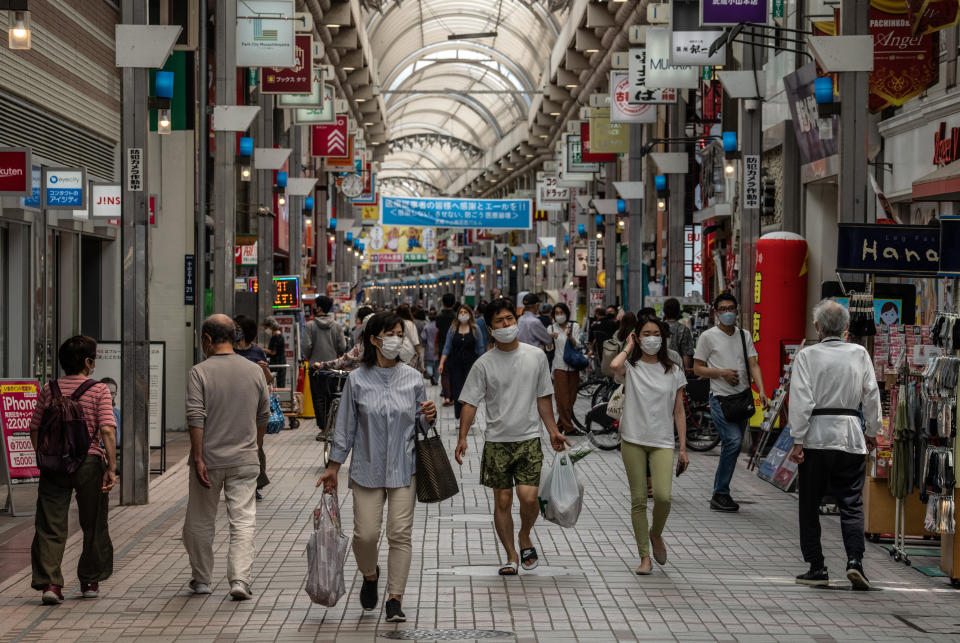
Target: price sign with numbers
<point>288,292</point>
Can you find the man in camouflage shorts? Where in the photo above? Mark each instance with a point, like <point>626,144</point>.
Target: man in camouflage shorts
<point>513,382</point>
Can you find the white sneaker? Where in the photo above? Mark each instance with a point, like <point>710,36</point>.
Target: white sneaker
<point>200,588</point>
<point>240,591</point>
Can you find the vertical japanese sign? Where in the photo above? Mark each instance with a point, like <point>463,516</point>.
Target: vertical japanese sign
<point>189,277</point>
<point>751,181</point>
<point>297,79</point>
<point>592,253</point>
<point>135,169</point>
<point>640,94</point>
<point>18,398</point>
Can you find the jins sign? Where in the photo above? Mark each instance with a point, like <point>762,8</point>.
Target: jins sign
<point>15,174</point>
<point>107,201</point>
<point>946,150</point>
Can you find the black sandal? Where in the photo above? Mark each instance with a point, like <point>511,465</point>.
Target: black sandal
<point>529,553</point>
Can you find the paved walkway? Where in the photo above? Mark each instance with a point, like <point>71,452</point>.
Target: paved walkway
<point>730,577</point>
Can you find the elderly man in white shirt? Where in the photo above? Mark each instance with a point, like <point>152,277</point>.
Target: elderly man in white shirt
<point>833,385</point>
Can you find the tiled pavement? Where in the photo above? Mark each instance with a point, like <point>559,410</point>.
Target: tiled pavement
<point>729,577</point>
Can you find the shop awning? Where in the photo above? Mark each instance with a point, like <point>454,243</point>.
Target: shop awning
<point>717,211</point>
<point>943,184</point>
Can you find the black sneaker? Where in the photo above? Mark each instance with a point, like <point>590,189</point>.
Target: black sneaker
<point>856,576</point>
<point>259,495</point>
<point>723,503</point>
<point>394,613</point>
<point>816,577</point>
<point>368,593</point>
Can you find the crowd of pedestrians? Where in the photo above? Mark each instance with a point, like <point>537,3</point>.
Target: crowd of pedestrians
<point>516,365</point>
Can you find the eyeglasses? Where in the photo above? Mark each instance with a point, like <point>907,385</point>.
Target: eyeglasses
<point>727,309</point>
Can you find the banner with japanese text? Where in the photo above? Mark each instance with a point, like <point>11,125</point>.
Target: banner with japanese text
<point>512,214</point>
<point>401,245</point>
<point>18,398</point>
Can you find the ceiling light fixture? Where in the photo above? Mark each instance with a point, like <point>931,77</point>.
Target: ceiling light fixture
<point>472,36</point>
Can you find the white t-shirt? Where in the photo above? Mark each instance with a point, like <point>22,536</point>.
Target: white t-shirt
<point>561,341</point>
<point>720,350</point>
<point>509,382</point>
<point>411,339</point>
<point>647,417</point>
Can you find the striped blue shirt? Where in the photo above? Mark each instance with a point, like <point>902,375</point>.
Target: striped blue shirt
<point>379,409</point>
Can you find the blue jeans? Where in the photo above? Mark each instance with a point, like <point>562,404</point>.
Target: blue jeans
<point>731,437</point>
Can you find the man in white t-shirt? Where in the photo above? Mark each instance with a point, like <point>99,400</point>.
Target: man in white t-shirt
<point>513,382</point>
<point>719,356</point>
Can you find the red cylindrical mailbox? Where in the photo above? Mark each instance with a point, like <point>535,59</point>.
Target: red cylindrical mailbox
<point>779,300</point>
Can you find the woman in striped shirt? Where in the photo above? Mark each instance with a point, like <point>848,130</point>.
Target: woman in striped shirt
<point>380,406</point>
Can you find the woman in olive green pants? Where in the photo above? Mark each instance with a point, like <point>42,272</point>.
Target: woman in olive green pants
<point>653,403</point>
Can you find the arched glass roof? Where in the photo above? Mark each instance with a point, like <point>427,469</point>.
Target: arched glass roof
<point>472,89</point>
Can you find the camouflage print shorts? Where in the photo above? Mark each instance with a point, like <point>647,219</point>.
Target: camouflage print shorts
<point>507,463</point>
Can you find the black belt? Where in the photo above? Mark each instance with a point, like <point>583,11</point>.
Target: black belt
<point>828,411</point>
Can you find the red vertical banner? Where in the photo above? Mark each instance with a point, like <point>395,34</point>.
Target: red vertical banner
<point>18,398</point>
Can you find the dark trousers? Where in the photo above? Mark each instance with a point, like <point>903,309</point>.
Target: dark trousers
<point>53,503</point>
<point>838,474</point>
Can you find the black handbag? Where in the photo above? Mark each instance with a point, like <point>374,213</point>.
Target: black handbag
<point>435,479</point>
<point>739,406</point>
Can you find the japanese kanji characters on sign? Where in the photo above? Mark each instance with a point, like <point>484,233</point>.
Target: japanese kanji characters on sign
<point>512,214</point>
<point>751,181</point>
<point>401,244</point>
<point>621,110</point>
<point>639,92</point>
<point>291,80</point>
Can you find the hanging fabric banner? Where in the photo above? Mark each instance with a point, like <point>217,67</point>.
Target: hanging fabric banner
<point>513,214</point>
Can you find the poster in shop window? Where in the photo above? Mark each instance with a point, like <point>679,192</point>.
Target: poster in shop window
<point>18,398</point>
<point>109,364</point>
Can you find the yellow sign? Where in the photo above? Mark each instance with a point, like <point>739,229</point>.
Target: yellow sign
<point>370,214</point>
<point>607,137</point>
<point>401,244</point>
<point>602,279</point>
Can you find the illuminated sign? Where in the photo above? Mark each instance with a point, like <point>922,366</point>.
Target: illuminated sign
<point>288,292</point>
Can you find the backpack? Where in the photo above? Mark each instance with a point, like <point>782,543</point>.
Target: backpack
<point>63,439</point>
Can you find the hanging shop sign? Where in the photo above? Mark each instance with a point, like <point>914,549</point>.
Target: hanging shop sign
<point>15,171</point>
<point>342,164</point>
<point>330,140</point>
<point>661,71</point>
<point>64,188</point>
<point>18,398</point>
<point>106,200</point>
<point>607,137</point>
<point>369,214</point>
<point>401,245</point>
<point>338,290</point>
<point>297,79</point>
<point>640,94</point>
<point>693,48</point>
<point>513,214</point>
<point>586,152</point>
<point>575,162</point>
<point>265,33</point>
<point>245,255</point>
<point>751,181</point>
<point>581,260</point>
<point>287,289</point>
<point>621,109</point>
<point>880,249</point>
<point>313,98</point>
<point>549,190</point>
<point>949,242</point>
<point>33,201</point>
<point>815,136</point>
<point>109,364</point>
<point>368,195</point>
<point>323,115</point>
<point>927,16</point>
<point>946,149</point>
<point>732,12</point>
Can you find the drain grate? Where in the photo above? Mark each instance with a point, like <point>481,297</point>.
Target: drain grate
<point>445,635</point>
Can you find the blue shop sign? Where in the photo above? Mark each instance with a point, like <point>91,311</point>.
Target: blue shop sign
<point>33,201</point>
<point>881,249</point>
<point>63,188</point>
<point>512,214</point>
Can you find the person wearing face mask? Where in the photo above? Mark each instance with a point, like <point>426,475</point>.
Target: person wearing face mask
<point>466,341</point>
<point>382,403</point>
<point>513,382</point>
<point>566,380</point>
<point>653,386</point>
<point>719,356</point>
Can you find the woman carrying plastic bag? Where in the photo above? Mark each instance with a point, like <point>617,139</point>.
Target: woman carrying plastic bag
<point>326,553</point>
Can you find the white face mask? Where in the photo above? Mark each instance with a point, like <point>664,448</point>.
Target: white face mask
<point>505,335</point>
<point>463,318</point>
<point>651,345</point>
<point>391,346</point>
<point>560,319</point>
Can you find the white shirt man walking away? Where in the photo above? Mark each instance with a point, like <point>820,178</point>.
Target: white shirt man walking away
<point>832,383</point>
<point>514,383</point>
<point>227,411</point>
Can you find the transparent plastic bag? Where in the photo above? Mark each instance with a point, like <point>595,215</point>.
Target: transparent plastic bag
<point>326,554</point>
<point>561,492</point>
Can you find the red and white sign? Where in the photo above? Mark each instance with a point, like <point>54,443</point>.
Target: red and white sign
<point>15,171</point>
<point>621,109</point>
<point>107,200</point>
<point>291,80</point>
<point>245,255</point>
<point>18,398</point>
<point>331,140</point>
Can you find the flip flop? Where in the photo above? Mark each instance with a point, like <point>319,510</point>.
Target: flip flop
<point>644,572</point>
<point>510,569</point>
<point>530,553</point>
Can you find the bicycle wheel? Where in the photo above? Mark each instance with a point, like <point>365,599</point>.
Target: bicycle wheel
<point>603,392</point>
<point>587,387</point>
<point>602,430</point>
<point>702,435</point>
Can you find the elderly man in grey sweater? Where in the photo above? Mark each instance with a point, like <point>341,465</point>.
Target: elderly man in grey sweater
<point>228,407</point>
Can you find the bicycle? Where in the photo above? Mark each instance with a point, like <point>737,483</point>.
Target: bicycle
<point>326,387</point>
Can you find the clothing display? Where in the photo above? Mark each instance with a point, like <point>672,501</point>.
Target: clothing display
<point>862,315</point>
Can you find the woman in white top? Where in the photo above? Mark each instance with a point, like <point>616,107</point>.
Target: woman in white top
<point>653,405</point>
<point>412,352</point>
<point>566,380</point>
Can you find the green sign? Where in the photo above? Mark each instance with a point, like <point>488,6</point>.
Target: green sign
<point>778,8</point>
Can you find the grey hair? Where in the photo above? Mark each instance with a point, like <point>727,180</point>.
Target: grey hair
<point>271,322</point>
<point>832,317</point>
<point>219,328</point>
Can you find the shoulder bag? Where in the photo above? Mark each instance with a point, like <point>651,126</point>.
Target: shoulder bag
<point>435,479</point>
<point>573,357</point>
<point>739,406</point>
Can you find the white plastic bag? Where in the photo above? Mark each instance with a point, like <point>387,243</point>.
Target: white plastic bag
<point>326,553</point>
<point>561,492</point>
